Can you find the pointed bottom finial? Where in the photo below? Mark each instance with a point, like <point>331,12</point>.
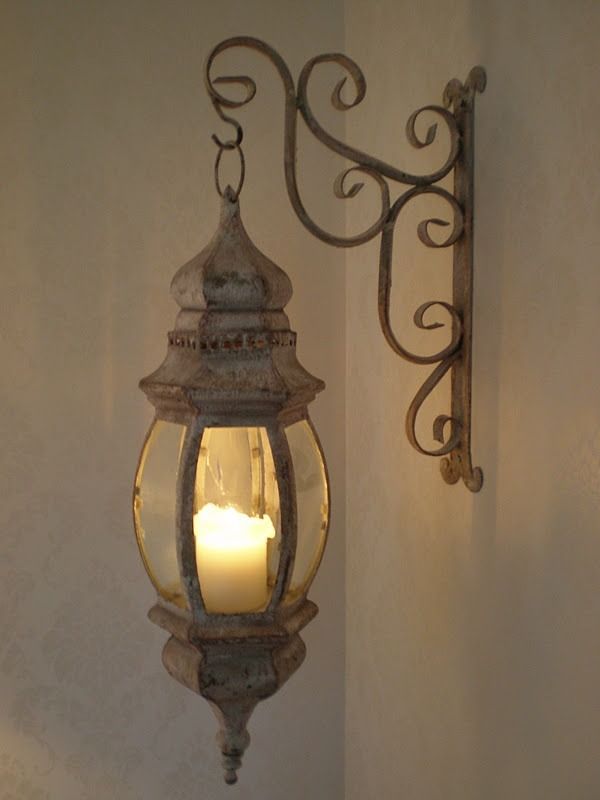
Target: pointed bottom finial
<point>233,737</point>
<point>230,777</point>
<point>232,761</point>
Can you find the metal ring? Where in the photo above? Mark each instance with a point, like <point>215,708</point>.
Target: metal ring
<point>230,146</point>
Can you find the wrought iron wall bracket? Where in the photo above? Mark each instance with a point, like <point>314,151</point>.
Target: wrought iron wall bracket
<point>451,431</point>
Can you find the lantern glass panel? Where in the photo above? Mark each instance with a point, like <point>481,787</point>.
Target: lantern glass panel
<point>154,507</point>
<point>312,502</point>
<point>237,526</point>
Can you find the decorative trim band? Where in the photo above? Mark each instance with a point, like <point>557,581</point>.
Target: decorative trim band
<point>248,340</point>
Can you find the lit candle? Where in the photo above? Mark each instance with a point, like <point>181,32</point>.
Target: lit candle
<point>231,555</point>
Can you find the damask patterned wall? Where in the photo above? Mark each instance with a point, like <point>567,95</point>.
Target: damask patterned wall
<point>106,167</point>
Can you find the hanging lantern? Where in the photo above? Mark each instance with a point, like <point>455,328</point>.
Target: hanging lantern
<point>231,501</point>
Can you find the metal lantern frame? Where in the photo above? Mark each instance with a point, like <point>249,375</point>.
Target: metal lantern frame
<point>231,363</point>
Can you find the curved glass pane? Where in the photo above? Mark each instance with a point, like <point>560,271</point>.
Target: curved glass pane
<point>154,507</point>
<point>312,500</point>
<point>236,520</point>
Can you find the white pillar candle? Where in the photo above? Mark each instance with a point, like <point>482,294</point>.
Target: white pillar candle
<point>231,556</point>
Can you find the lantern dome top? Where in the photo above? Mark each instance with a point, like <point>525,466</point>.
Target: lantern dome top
<point>231,273</point>
<point>232,352</point>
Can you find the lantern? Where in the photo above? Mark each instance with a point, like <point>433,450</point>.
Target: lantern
<point>231,500</point>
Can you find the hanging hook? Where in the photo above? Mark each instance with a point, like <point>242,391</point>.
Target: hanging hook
<point>223,146</point>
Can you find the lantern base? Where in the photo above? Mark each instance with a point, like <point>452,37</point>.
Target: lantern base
<point>234,673</point>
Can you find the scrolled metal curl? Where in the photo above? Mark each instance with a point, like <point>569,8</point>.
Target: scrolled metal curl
<point>358,156</point>
<point>297,101</point>
<point>457,97</point>
<point>457,92</point>
<point>447,355</point>
<point>440,423</point>
<point>343,193</point>
<point>385,275</point>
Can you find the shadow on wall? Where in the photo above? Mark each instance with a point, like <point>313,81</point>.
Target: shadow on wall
<point>531,644</point>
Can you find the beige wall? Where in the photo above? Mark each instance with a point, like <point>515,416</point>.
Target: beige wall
<point>473,649</point>
<point>106,173</point>
<point>473,638</point>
